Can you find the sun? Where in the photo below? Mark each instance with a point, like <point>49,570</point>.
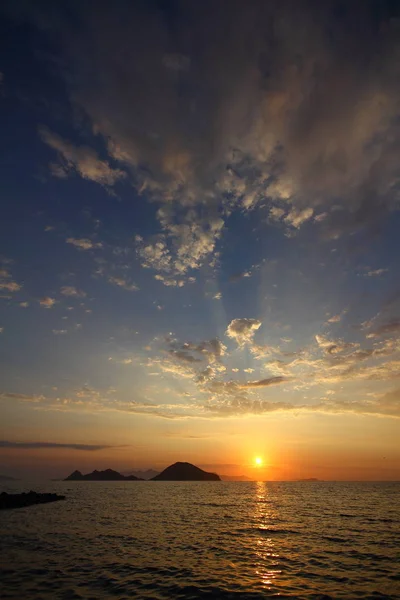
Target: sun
<point>258,461</point>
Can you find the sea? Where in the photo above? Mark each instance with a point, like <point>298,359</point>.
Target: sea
<point>241,540</point>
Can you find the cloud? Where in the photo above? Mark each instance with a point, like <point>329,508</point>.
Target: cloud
<point>263,382</point>
<point>334,346</point>
<point>123,361</point>
<point>47,302</point>
<point>228,403</point>
<point>276,213</point>
<point>123,283</point>
<point>299,117</point>
<point>6,282</point>
<point>390,327</point>
<point>23,397</point>
<point>116,271</point>
<point>243,330</point>
<point>184,245</point>
<point>297,217</point>
<point>72,291</point>
<point>84,243</point>
<point>10,286</point>
<point>210,351</point>
<point>170,281</point>
<point>80,159</point>
<point>335,319</point>
<point>53,445</point>
<point>200,362</point>
<point>60,331</point>
<point>376,273</point>
<point>237,276</point>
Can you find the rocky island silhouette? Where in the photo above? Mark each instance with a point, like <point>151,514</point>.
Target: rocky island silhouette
<point>184,471</point>
<point>107,475</point>
<point>179,471</point>
<point>8,501</point>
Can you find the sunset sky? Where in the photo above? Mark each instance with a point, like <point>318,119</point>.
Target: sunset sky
<point>200,237</point>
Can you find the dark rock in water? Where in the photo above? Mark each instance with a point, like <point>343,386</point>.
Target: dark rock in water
<point>183,471</point>
<point>26,499</point>
<point>107,475</point>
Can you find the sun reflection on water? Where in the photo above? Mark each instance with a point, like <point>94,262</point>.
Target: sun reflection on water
<point>267,555</point>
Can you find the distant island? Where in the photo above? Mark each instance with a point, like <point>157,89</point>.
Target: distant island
<point>180,471</point>
<point>107,475</point>
<point>235,478</point>
<point>183,471</point>
<point>8,501</point>
<point>309,479</point>
<point>148,474</point>
<point>7,478</point>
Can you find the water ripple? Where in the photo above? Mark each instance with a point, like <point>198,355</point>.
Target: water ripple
<point>194,541</point>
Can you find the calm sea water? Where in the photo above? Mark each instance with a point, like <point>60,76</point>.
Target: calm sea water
<point>204,540</point>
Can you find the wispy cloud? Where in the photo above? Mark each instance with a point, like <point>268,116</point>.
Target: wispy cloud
<point>47,302</point>
<point>7,283</point>
<point>376,273</point>
<point>335,319</point>
<point>297,217</point>
<point>84,243</point>
<point>53,445</point>
<point>80,159</point>
<point>123,283</point>
<point>263,382</point>
<point>391,327</point>
<point>23,397</point>
<point>10,286</point>
<point>72,291</point>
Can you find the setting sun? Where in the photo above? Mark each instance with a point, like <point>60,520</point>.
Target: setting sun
<point>258,461</point>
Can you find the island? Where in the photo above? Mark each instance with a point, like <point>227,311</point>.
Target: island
<point>8,501</point>
<point>107,475</point>
<point>148,474</point>
<point>236,478</point>
<point>183,471</point>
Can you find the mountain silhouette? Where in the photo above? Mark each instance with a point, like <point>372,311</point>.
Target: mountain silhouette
<point>107,475</point>
<point>183,471</point>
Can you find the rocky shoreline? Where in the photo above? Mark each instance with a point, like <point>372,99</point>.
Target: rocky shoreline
<point>8,501</point>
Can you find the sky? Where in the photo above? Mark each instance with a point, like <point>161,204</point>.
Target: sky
<point>199,237</point>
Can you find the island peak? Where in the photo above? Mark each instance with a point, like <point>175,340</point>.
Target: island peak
<point>184,471</point>
<point>107,475</point>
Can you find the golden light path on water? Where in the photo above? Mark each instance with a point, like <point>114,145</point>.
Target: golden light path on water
<point>266,550</point>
